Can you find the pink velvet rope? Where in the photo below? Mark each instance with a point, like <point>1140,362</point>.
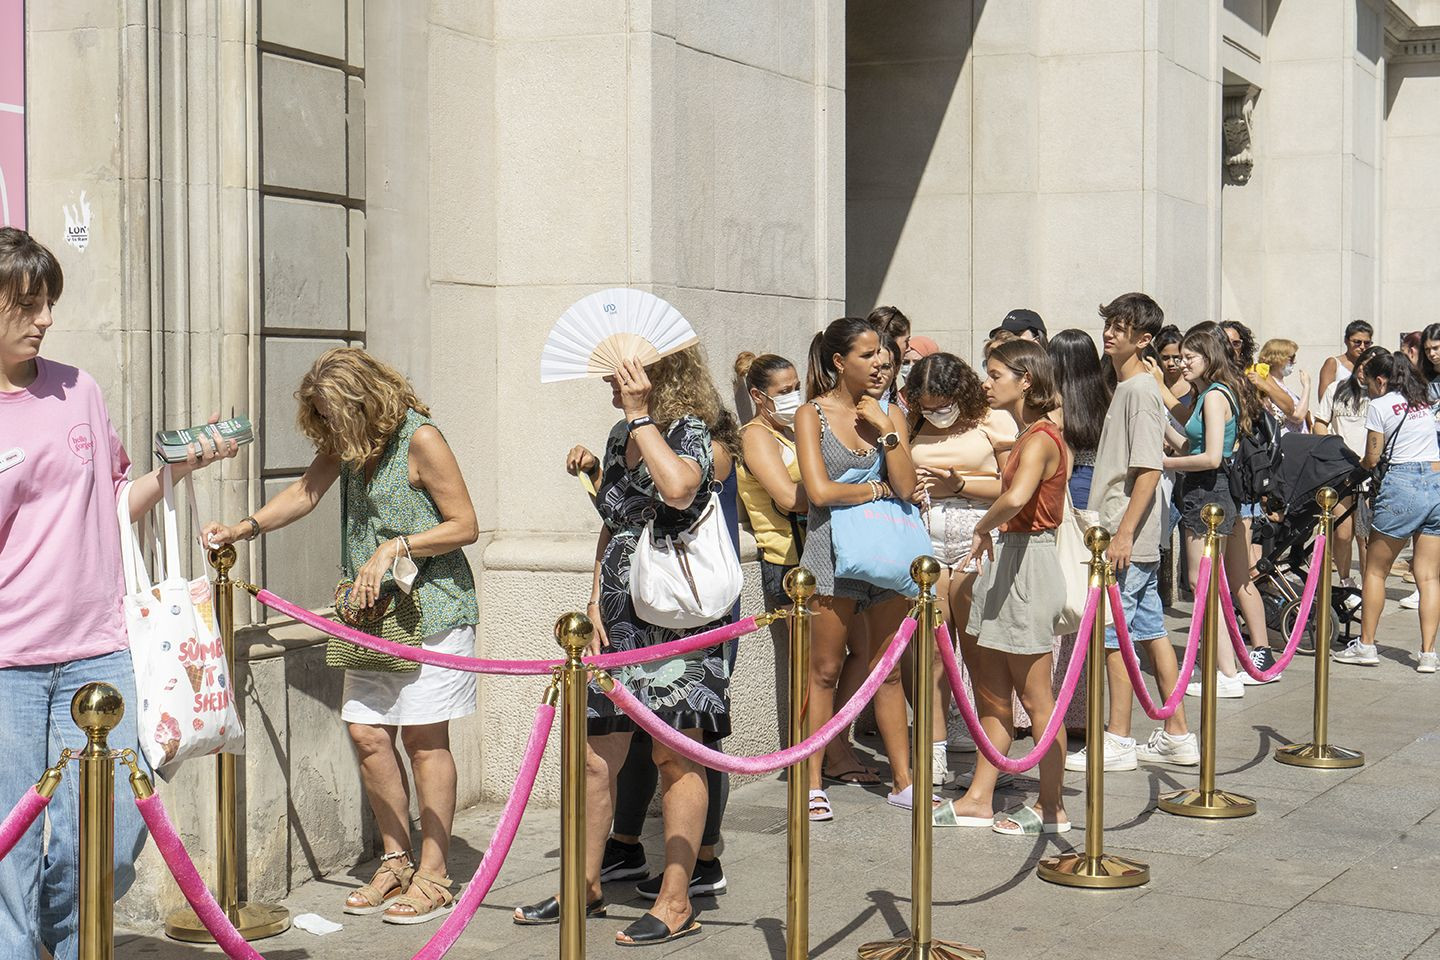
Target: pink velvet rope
<point>662,732</point>
<point>17,821</point>
<point>1062,701</point>
<point>1307,600</point>
<point>514,668</point>
<point>1192,647</point>
<point>236,947</point>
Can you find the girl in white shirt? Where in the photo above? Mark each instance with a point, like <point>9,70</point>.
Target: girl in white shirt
<point>1400,432</point>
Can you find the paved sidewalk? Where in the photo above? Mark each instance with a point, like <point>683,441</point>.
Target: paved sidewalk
<point>1336,863</point>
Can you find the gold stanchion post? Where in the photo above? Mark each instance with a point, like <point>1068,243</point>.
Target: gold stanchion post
<point>254,921</point>
<point>573,632</point>
<point>1206,802</point>
<point>800,585</point>
<point>96,709</point>
<point>920,944</point>
<point>1320,753</point>
<point>1095,868</point>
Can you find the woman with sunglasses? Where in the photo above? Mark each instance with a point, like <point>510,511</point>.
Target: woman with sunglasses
<point>1359,336</point>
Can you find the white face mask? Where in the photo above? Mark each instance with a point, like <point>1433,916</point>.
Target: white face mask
<point>786,406</point>
<point>944,418</point>
<point>404,570</point>
<point>1289,369</point>
<point>904,374</point>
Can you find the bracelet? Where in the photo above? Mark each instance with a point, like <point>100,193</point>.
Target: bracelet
<point>960,489</point>
<point>638,422</point>
<point>254,527</point>
<point>874,490</point>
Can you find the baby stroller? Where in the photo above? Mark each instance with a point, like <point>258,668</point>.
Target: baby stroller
<point>1286,531</point>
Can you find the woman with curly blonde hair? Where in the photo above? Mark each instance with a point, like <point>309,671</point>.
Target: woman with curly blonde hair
<point>402,496</point>
<point>659,465</point>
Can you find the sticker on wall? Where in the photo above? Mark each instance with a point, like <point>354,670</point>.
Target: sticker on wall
<point>77,224</point>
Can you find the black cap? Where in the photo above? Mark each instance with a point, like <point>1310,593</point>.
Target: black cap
<point>1019,321</point>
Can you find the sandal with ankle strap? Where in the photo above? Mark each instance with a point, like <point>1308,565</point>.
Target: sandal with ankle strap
<point>433,900</point>
<point>375,900</point>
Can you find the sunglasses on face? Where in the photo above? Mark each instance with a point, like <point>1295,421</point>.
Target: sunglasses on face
<point>1359,343</point>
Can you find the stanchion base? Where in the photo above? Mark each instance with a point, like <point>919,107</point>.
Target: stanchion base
<point>1321,756</point>
<point>256,921</point>
<point>1216,805</point>
<point>1106,872</point>
<point>907,949</point>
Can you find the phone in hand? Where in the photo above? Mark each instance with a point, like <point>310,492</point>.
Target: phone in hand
<point>174,446</point>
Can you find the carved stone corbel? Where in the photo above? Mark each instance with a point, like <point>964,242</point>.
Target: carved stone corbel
<point>1238,113</point>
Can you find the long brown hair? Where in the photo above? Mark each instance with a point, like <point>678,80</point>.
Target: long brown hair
<point>366,402</point>
<point>1214,348</point>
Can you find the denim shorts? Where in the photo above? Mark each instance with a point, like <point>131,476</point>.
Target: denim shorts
<point>1204,487</point>
<point>1408,502</point>
<point>1140,602</point>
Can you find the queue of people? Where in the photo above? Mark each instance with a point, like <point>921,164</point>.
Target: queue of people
<point>990,457</point>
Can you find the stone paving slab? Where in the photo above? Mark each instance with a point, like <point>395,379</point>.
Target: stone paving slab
<point>1335,864</point>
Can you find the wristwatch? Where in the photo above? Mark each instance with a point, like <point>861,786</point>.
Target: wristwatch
<point>890,440</point>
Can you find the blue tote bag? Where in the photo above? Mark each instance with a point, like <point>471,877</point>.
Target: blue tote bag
<point>877,541</point>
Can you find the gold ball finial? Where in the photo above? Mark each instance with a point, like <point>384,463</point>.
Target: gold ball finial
<point>1097,540</point>
<point>926,572</point>
<point>1327,498</point>
<point>573,632</point>
<point>223,559</point>
<point>800,585</point>
<point>97,708</point>
<point>1213,514</point>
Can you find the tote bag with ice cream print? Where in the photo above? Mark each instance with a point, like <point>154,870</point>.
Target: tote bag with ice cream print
<point>186,704</point>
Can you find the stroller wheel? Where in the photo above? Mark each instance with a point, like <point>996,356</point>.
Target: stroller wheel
<point>1288,616</point>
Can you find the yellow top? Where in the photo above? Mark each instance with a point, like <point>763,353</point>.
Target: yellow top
<point>773,531</point>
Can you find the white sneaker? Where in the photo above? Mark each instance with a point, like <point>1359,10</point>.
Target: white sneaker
<point>939,763</point>
<point>1360,654</point>
<point>1229,688</point>
<point>1164,748</point>
<point>1119,755</point>
<point>957,735</point>
<point>1411,602</point>
<point>1429,662</point>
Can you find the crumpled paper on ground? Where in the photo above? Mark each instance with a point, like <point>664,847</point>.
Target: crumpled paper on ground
<point>316,924</point>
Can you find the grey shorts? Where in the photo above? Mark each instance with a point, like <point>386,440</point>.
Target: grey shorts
<point>864,594</point>
<point>1019,595</point>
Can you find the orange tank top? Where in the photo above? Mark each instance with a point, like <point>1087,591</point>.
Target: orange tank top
<point>1047,505</point>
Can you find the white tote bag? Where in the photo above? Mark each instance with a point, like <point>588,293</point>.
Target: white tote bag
<point>1074,562</point>
<point>187,704</point>
<point>686,580</point>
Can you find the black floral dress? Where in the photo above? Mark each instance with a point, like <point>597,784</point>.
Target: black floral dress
<point>690,692</point>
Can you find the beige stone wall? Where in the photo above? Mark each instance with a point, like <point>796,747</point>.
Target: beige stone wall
<point>1411,268</point>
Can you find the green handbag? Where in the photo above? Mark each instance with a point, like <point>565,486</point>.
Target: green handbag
<point>394,616</point>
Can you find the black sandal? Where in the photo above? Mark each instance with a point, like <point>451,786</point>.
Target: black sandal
<point>548,911</point>
<point>650,930</point>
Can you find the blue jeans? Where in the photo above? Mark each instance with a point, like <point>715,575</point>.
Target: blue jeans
<point>1140,601</point>
<point>38,891</point>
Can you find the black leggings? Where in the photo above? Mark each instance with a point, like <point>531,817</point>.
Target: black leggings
<point>635,788</point>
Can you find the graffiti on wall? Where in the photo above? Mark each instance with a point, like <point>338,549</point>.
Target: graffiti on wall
<point>12,113</point>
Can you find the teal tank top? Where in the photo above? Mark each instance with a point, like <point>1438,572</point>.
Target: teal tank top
<point>387,507</point>
<point>1195,426</point>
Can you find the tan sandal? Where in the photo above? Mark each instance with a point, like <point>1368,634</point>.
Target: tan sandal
<point>372,899</point>
<point>432,900</point>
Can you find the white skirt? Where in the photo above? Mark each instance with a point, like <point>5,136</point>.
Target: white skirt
<point>429,695</point>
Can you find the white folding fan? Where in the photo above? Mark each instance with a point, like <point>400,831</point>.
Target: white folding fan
<point>601,331</point>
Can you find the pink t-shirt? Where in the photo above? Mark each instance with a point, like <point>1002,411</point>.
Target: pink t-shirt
<point>61,467</point>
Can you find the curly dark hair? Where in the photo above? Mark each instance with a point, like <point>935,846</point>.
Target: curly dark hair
<point>945,376</point>
<point>1244,355</point>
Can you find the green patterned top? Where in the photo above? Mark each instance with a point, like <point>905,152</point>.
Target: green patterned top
<point>388,506</point>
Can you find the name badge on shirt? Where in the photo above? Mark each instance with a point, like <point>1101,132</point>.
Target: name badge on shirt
<point>11,458</point>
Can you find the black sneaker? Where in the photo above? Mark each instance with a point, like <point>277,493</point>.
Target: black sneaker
<point>623,861</point>
<point>708,880</point>
<point>1262,658</point>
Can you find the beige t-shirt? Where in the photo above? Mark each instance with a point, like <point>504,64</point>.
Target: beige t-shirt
<point>1133,438</point>
<point>971,453</point>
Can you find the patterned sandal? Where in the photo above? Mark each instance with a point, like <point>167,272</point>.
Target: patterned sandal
<point>433,900</point>
<point>370,898</point>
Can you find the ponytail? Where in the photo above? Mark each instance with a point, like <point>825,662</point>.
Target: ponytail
<point>838,337</point>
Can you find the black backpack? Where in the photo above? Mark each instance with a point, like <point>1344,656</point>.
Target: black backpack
<point>1251,471</point>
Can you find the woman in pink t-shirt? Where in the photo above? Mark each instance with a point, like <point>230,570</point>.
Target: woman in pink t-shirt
<point>62,466</point>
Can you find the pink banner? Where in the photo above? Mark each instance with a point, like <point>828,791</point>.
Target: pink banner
<point>12,113</point>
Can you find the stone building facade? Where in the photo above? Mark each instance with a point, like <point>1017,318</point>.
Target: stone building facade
<point>261,180</point>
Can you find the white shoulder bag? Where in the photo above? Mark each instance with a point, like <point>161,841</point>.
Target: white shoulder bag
<point>689,579</point>
<point>1074,562</point>
<point>187,706</point>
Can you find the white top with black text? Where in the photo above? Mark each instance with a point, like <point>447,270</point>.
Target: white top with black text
<point>1416,440</point>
